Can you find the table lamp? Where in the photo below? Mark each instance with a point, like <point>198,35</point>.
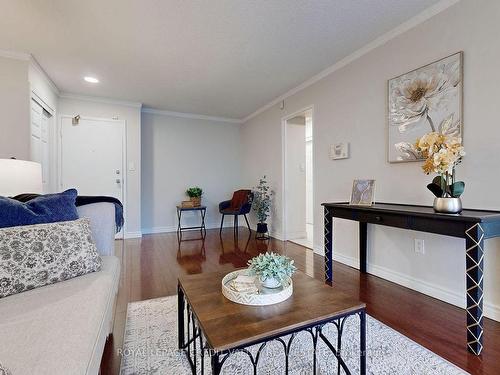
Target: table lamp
<point>20,176</point>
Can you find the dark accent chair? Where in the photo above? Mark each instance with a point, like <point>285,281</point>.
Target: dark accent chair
<point>240,204</point>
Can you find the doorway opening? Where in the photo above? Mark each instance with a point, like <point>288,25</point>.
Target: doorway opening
<point>298,178</point>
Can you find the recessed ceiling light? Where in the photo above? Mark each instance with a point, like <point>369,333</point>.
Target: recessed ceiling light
<point>91,79</point>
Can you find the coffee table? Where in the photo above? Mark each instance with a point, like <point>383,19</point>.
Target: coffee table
<point>209,324</point>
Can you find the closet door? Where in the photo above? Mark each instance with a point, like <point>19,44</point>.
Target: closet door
<point>40,145</point>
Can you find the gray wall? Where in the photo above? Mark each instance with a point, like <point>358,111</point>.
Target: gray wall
<point>15,109</point>
<point>178,153</point>
<point>350,105</point>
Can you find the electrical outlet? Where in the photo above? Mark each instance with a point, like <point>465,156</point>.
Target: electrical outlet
<point>419,246</point>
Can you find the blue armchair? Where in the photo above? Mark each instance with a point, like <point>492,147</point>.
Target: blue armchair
<point>240,204</point>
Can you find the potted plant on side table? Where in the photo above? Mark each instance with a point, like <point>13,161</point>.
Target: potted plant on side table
<point>194,194</point>
<point>271,268</point>
<point>262,208</point>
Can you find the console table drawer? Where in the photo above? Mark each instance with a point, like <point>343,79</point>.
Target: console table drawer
<point>421,224</point>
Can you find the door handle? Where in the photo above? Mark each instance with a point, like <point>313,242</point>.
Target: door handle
<point>118,181</point>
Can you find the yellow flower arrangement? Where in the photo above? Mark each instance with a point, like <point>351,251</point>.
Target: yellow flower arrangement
<point>442,153</point>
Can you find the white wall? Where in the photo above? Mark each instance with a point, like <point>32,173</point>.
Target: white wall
<point>295,180</point>
<point>131,113</point>
<point>350,105</point>
<point>14,109</point>
<point>178,153</point>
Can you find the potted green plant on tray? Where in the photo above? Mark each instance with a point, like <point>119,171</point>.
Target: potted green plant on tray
<point>194,194</point>
<point>262,206</point>
<point>271,268</point>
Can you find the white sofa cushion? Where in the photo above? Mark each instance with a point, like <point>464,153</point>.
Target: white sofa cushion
<point>60,328</point>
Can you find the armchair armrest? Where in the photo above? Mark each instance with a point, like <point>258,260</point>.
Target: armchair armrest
<point>224,205</point>
<point>102,225</point>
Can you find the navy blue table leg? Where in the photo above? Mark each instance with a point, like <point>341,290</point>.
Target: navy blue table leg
<point>362,246</point>
<point>328,246</point>
<point>180,317</point>
<point>474,241</point>
<point>179,228</point>
<point>362,342</point>
<point>216,367</point>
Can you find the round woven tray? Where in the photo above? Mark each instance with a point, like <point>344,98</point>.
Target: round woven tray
<point>265,296</point>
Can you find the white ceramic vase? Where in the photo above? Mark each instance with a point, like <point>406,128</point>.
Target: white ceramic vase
<point>271,283</point>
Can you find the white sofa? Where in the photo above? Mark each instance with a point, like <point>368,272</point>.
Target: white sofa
<point>62,328</point>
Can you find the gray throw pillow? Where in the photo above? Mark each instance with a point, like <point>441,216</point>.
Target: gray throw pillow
<point>36,255</point>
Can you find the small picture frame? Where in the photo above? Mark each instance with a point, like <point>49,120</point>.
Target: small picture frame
<point>339,151</point>
<point>363,192</point>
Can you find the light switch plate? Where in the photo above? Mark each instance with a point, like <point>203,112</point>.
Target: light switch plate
<point>419,246</point>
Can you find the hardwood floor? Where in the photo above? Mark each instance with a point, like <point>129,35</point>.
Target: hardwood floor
<point>151,265</point>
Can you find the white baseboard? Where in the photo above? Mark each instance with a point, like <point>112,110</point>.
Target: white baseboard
<point>137,234</point>
<point>173,228</point>
<point>277,235</point>
<point>319,250</point>
<point>296,235</point>
<point>491,311</point>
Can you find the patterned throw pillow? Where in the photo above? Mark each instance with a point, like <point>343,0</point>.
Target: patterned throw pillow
<point>36,255</point>
<point>4,371</point>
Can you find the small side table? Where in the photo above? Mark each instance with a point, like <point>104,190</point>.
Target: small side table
<point>202,228</point>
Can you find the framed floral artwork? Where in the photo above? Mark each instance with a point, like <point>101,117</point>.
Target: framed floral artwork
<point>427,99</point>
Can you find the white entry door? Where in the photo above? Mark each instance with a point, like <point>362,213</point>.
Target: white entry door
<point>92,156</point>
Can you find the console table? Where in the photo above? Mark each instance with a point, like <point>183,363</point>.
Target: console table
<point>473,225</point>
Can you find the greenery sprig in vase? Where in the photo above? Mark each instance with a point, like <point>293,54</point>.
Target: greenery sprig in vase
<point>442,154</point>
<point>272,268</point>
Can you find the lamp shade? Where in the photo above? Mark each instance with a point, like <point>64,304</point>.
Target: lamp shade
<point>20,176</point>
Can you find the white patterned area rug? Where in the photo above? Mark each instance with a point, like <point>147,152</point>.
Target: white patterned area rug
<point>150,347</point>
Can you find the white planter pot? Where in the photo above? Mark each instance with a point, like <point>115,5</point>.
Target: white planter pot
<point>271,283</point>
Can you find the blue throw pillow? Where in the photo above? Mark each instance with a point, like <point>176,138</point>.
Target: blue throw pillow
<point>48,208</point>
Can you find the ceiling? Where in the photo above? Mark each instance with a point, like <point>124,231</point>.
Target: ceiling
<point>222,58</point>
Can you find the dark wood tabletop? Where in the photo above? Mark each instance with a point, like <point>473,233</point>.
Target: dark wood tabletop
<point>424,211</point>
<point>227,325</point>
<point>196,208</point>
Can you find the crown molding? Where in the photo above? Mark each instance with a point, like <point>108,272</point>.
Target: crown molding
<point>35,65</point>
<point>190,116</point>
<point>99,99</point>
<point>23,56</point>
<point>381,40</point>
<point>15,55</point>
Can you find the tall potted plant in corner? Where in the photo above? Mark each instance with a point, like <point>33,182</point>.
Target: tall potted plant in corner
<point>262,207</point>
<point>442,153</point>
<point>194,194</point>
